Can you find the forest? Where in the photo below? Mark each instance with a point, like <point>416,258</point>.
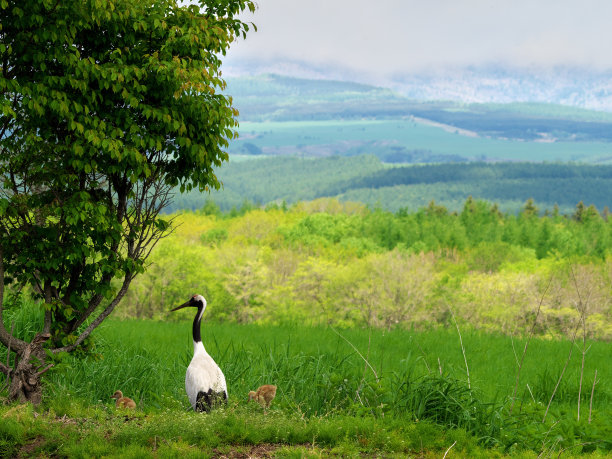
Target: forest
<point>368,180</point>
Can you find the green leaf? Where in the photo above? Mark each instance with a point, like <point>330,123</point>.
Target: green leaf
<point>93,100</point>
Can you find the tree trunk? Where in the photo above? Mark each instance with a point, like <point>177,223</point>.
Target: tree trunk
<point>25,378</point>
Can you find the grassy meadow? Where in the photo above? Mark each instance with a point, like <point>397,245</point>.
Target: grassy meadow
<point>340,392</point>
<point>471,334</point>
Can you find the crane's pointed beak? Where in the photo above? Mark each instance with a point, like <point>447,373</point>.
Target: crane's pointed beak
<point>184,305</point>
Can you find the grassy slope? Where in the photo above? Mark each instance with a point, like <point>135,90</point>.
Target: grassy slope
<point>81,432</point>
<point>272,98</point>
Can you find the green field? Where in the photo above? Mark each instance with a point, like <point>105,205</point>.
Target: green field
<point>367,136</point>
<point>151,361</point>
<point>316,117</point>
<point>345,392</point>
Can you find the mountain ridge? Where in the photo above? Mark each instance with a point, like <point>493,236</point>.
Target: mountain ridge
<point>563,85</point>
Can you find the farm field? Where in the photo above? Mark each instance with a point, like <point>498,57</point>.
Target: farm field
<point>367,136</point>
<point>281,115</point>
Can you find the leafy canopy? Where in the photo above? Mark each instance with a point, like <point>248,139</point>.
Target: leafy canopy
<point>105,105</point>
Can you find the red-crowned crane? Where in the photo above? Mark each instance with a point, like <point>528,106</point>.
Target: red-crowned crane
<point>204,381</point>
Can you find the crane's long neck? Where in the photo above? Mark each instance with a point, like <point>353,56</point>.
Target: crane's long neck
<point>197,337</point>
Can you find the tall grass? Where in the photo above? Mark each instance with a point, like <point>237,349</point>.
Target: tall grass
<point>403,375</point>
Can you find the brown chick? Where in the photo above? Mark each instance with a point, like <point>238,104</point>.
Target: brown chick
<point>123,402</point>
<point>264,395</point>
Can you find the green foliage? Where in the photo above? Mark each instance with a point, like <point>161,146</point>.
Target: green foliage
<point>210,207</point>
<point>104,106</point>
<point>22,315</point>
<point>340,263</point>
<point>443,400</point>
<point>276,179</point>
<point>214,236</point>
<point>11,434</point>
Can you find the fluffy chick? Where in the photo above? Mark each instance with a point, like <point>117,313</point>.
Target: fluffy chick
<point>123,402</point>
<point>264,395</point>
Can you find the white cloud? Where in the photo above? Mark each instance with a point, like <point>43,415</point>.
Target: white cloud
<point>384,37</point>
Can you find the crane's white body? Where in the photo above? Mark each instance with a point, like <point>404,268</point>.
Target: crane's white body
<point>203,375</point>
<point>204,381</point>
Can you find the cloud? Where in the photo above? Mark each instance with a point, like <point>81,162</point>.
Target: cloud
<point>398,36</point>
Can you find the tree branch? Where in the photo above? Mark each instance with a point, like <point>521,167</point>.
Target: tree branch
<point>103,315</point>
<point>531,333</point>
<point>91,307</point>
<point>4,369</point>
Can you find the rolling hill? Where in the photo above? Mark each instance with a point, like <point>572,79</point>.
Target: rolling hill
<point>304,139</point>
<point>291,116</point>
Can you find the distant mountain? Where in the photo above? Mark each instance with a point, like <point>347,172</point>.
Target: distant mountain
<point>488,84</point>
<point>271,97</point>
<point>401,143</point>
<point>561,86</point>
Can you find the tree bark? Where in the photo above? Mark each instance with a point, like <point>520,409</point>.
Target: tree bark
<point>25,379</point>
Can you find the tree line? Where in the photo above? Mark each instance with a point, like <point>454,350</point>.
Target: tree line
<point>325,261</point>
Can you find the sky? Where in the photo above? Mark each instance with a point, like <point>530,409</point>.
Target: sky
<point>393,37</point>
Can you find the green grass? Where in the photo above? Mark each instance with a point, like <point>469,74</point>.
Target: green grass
<point>329,400</point>
<point>299,358</point>
<point>236,431</point>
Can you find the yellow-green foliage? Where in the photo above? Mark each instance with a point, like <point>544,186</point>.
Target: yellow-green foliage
<point>329,262</point>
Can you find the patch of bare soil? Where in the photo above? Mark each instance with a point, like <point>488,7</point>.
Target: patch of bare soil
<point>248,452</point>
<point>28,449</point>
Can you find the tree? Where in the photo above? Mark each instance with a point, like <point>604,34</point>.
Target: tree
<point>106,106</point>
